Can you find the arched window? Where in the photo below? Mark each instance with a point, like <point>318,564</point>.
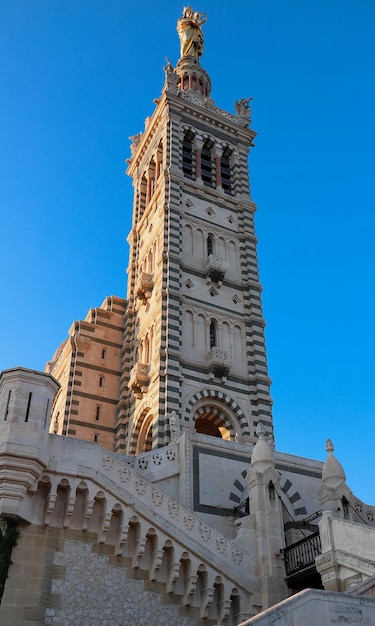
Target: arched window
<point>226,181</point>
<point>150,180</point>
<point>213,333</point>
<point>206,163</point>
<point>150,262</point>
<point>187,154</point>
<point>142,195</point>
<point>146,349</point>
<point>159,160</point>
<point>210,245</point>
<point>143,440</point>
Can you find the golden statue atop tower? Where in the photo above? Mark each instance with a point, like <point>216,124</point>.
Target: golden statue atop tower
<point>189,28</point>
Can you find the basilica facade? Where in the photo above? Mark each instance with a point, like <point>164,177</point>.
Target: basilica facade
<point>139,475</point>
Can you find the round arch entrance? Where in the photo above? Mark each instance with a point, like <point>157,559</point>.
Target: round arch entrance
<point>210,420</point>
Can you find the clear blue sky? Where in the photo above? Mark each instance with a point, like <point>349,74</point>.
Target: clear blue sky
<point>79,77</point>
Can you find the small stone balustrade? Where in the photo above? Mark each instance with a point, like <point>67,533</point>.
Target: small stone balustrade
<point>215,269</point>
<point>139,379</point>
<point>219,362</point>
<point>160,463</point>
<point>144,287</point>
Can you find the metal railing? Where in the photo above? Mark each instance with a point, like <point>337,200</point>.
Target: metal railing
<point>301,555</point>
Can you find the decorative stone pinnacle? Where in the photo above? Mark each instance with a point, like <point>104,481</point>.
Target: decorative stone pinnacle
<point>261,431</point>
<point>329,446</point>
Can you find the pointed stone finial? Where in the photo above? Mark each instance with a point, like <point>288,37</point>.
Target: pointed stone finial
<point>263,454</point>
<point>333,473</point>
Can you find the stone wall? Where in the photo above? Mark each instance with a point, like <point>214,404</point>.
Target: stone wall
<point>97,590</point>
<point>347,556</point>
<point>60,577</point>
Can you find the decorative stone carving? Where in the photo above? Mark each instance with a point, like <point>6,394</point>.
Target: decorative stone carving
<point>135,139</point>
<point>140,486</point>
<point>237,556</point>
<point>170,77</point>
<point>139,379</point>
<point>221,545</point>
<point>157,497</point>
<point>124,475</point>
<point>325,558</point>
<point>171,455</point>
<point>189,522</point>
<point>157,458</point>
<point>174,426</point>
<point>205,533</point>
<point>243,110</point>
<point>219,362</point>
<point>215,269</point>
<point>142,463</point>
<point>144,287</point>
<point>108,463</point>
<point>173,510</point>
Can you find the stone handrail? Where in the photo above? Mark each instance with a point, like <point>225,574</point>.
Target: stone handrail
<point>163,462</point>
<point>127,486</point>
<point>362,512</point>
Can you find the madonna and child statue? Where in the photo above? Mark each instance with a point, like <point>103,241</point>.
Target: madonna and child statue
<point>189,28</point>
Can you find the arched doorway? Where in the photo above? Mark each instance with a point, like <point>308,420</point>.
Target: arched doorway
<point>213,421</point>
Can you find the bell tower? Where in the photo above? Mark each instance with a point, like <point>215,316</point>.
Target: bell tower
<point>194,351</point>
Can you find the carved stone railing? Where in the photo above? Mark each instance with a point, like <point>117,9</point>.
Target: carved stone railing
<point>215,269</point>
<point>173,513</point>
<point>209,104</point>
<point>120,482</point>
<point>301,555</point>
<point>159,463</point>
<point>145,286</point>
<point>139,379</point>
<point>219,362</point>
<point>358,511</point>
<point>115,483</point>
<point>85,484</point>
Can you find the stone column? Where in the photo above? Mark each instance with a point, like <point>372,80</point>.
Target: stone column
<point>218,153</point>
<point>197,145</point>
<point>265,523</point>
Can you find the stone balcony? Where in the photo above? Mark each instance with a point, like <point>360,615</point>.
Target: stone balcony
<point>139,379</point>
<point>215,269</point>
<point>144,286</point>
<point>219,363</point>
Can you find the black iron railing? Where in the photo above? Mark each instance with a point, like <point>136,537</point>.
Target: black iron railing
<point>301,554</point>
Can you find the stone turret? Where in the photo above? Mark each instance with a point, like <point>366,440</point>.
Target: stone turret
<point>264,526</point>
<point>26,398</point>
<point>192,77</point>
<point>334,490</point>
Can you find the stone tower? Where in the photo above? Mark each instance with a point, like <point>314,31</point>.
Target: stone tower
<point>194,351</point>
<point>192,523</point>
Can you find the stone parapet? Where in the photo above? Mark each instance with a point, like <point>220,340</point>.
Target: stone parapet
<point>347,556</point>
<point>26,398</point>
<point>314,606</point>
<point>86,488</point>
